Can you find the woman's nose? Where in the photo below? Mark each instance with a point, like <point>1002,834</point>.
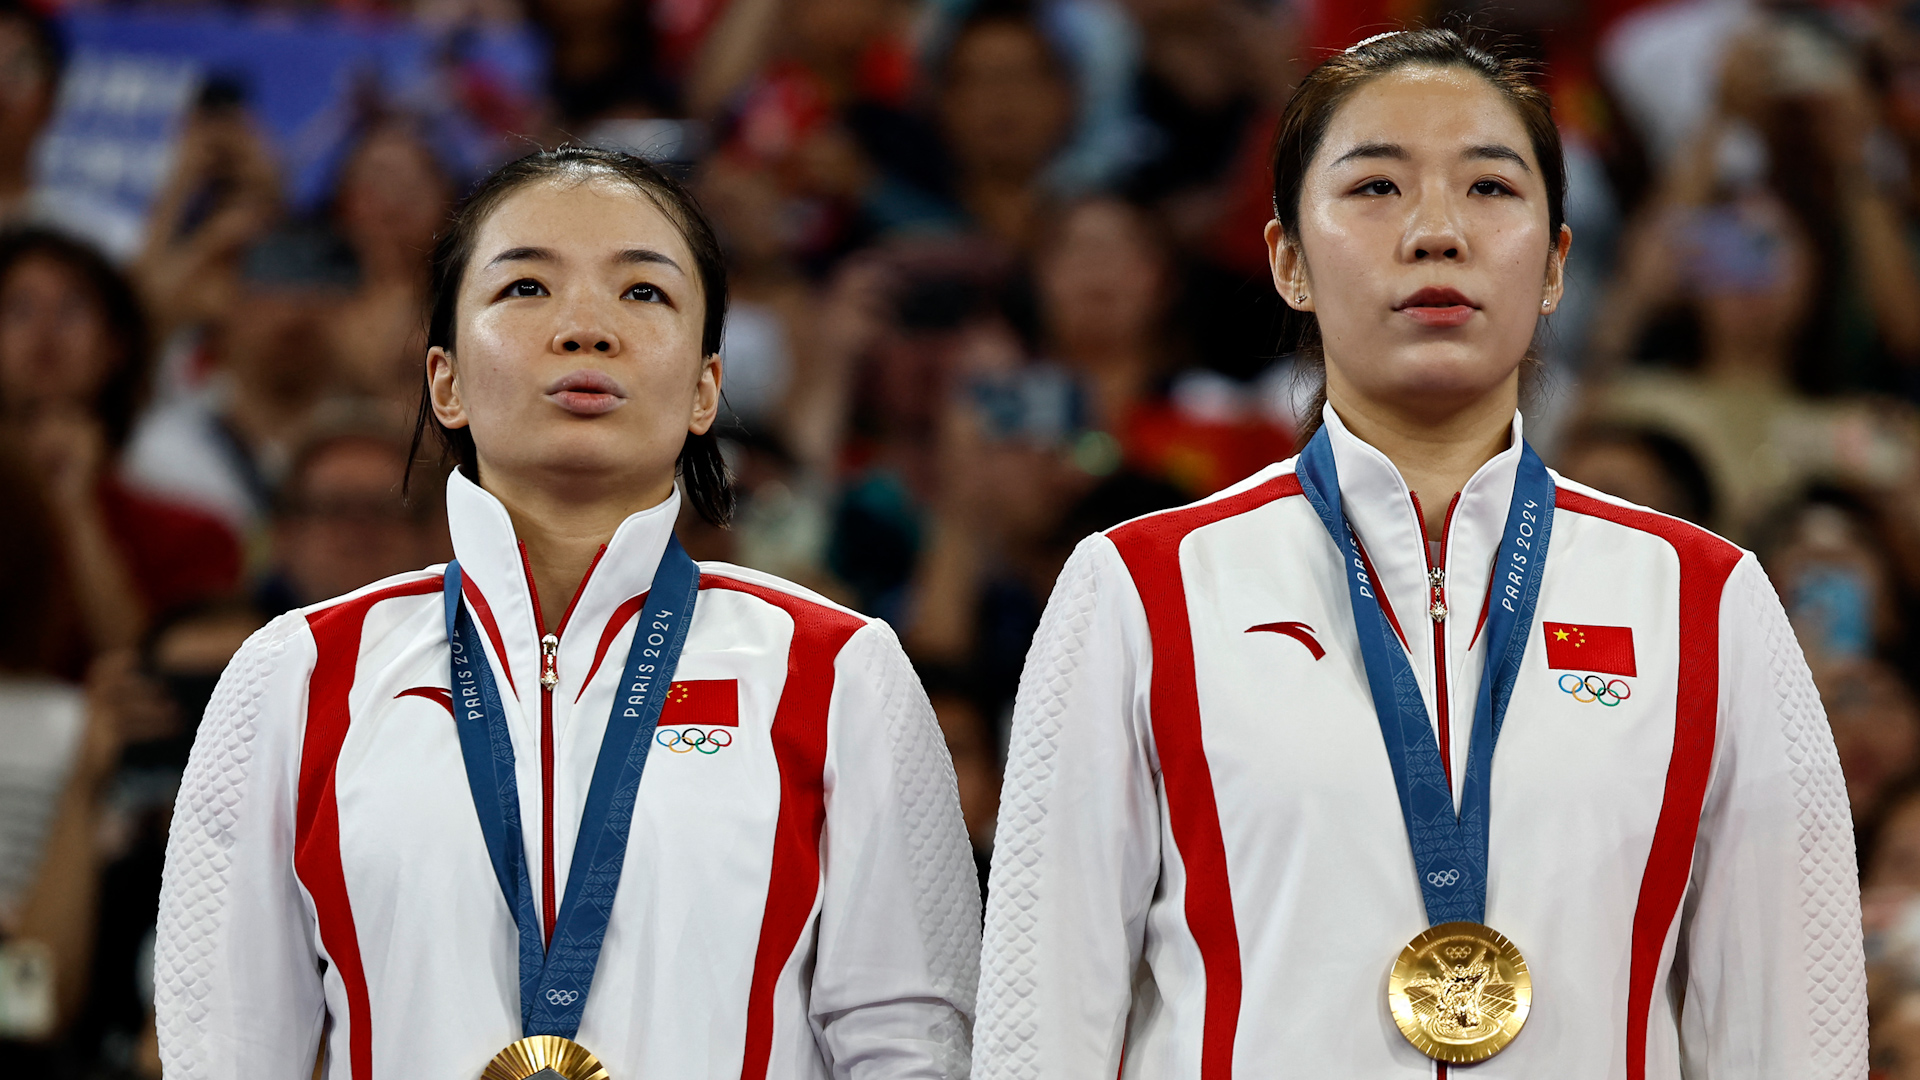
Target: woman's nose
<point>586,339</point>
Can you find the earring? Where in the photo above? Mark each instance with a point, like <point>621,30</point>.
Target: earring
<point>1546,304</point>
<point>1299,298</point>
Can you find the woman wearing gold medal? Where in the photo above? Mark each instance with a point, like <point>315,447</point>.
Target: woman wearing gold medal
<point>414,837</point>
<point>1407,756</point>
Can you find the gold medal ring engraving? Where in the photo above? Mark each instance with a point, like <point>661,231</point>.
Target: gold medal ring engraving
<point>547,1057</point>
<point>1460,992</point>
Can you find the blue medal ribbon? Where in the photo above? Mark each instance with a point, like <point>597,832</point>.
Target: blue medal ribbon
<point>554,980</point>
<point>1449,848</point>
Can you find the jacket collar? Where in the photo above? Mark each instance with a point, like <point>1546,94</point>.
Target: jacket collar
<point>491,560</point>
<point>1381,510</point>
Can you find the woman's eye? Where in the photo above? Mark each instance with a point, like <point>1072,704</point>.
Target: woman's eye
<point>1491,187</point>
<point>647,294</point>
<point>1378,187</point>
<point>525,287</point>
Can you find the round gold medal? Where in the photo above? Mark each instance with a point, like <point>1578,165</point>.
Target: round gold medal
<point>548,1057</point>
<point>1460,992</point>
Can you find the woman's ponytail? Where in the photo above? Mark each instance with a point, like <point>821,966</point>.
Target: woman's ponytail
<point>705,478</point>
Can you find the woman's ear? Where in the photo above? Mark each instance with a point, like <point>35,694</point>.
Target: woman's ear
<point>443,389</point>
<point>1556,271</point>
<point>1289,268</point>
<point>706,396</point>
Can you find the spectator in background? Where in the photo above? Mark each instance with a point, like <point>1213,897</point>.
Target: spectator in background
<point>30,61</point>
<point>227,447</point>
<point>1641,465</point>
<point>73,372</point>
<point>58,745</point>
<point>1762,439</point>
<point>1006,106</point>
<point>340,520</point>
<point>391,199</point>
<point>604,60</point>
<point>1106,278</point>
<point>222,195</point>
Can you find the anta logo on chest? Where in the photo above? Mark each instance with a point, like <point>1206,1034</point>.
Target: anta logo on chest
<point>1589,654</point>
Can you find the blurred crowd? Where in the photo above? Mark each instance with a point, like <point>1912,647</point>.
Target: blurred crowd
<point>999,283</point>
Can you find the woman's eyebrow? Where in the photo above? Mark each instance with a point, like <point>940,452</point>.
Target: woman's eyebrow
<point>1374,150</point>
<point>1495,152</point>
<point>521,254</point>
<point>647,255</point>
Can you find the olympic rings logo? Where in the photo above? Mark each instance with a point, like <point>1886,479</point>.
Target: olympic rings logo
<point>563,997</point>
<point>1608,692</point>
<point>1441,879</point>
<point>688,740</point>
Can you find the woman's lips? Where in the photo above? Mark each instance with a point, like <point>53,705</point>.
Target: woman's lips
<point>586,393</point>
<point>1438,308</point>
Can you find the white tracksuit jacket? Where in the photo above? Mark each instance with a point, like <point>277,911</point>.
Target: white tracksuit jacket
<point>800,903</point>
<point>1201,869</point>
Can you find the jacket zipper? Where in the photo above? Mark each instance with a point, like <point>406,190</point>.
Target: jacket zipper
<point>549,678</point>
<point>1437,611</point>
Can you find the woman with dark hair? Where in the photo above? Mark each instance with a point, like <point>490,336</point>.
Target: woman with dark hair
<point>1255,822</point>
<point>414,821</point>
<point>74,366</point>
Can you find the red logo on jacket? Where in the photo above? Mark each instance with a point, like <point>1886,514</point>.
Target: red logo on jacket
<point>1586,647</point>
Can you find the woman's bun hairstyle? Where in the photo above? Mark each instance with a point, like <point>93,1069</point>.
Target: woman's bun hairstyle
<point>702,471</point>
<point>1310,111</point>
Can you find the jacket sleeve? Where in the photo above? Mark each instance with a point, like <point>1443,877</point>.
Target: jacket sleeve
<point>237,985</point>
<point>899,942</point>
<point>1776,983</point>
<point>1077,847</point>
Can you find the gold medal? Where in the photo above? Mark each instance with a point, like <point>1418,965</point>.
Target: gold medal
<point>1460,992</point>
<point>547,1057</point>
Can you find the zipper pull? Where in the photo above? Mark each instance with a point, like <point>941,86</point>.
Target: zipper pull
<point>1438,611</point>
<point>1437,578</point>
<point>549,663</point>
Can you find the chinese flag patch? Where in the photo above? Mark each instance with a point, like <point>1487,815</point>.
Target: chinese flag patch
<point>706,702</point>
<point>1607,650</point>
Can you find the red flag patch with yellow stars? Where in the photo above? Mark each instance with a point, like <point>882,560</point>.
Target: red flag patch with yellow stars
<point>1585,647</point>
<point>707,702</point>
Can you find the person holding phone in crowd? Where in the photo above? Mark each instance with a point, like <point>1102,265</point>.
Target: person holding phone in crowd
<point>1405,753</point>
<point>571,802</point>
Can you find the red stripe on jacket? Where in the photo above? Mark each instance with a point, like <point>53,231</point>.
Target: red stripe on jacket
<point>1151,549</point>
<point>1705,563</point>
<point>479,602</point>
<point>800,748</point>
<point>316,834</point>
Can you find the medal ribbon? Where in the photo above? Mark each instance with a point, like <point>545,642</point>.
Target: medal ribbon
<point>1449,848</point>
<point>554,980</point>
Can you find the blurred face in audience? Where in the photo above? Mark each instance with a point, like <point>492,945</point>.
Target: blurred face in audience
<point>1423,244</point>
<point>577,349</point>
<point>1875,727</point>
<point>1894,861</point>
<point>1103,279</point>
<point>55,347</point>
<point>275,340</point>
<point>392,194</point>
<point>26,88</point>
<point>1751,269</point>
<point>346,525</point>
<point>1006,105</point>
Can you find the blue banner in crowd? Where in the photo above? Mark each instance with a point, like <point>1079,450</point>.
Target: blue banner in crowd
<point>308,82</point>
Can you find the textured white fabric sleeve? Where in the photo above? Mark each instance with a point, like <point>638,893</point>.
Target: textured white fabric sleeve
<point>1077,848</point>
<point>237,986</point>
<point>1776,983</point>
<point>899,945</point>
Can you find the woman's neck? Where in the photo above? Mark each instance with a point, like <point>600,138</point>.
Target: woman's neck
<point>563,531</point>
<point>1436,455</point>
